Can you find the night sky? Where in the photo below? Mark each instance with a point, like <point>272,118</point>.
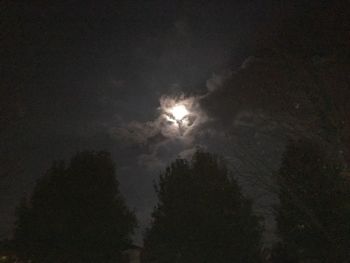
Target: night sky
<point>99,75</point>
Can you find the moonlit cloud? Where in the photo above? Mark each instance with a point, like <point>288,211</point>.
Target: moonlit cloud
<point>217,80</point>
<point>191,120</point>
<point>166,137</point>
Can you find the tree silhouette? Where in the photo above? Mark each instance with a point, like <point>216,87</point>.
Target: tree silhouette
<point>314,213</point>
<point>201,216</point>
<point>75,214</point>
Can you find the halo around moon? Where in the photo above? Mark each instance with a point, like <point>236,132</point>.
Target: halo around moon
<point>180,116</point>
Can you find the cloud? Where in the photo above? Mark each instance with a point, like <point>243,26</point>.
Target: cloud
<point>245,114</point>
<point>163,138</point>
<point>217,80</point>
<point>236,103</point>
<point>150,161</point>
<point>269,88</point>
<point>256,100</point>
<point>195,117</point>
<point>164,125</point>
<point>135,132</point>
<point>188,153</point>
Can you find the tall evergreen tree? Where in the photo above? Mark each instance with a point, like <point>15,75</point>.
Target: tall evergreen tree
<point>201,216</point>
<point>314,213</point>
<point>75,214</point>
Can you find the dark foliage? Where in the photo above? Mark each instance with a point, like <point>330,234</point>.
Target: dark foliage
<point>201,216</point>
<point>314,213</point>
<point>75,214</point>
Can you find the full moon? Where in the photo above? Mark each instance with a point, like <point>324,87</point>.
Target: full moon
<point>179,112</point>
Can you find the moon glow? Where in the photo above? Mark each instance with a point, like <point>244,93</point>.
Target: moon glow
<point>179,112</point>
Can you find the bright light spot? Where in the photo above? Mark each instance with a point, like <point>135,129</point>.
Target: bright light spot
<point>179,112</point>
